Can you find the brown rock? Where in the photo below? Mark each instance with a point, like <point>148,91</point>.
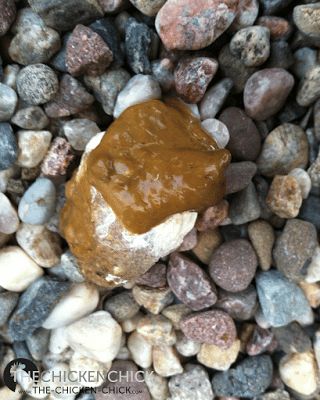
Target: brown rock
<point>212,327</point>
<point>280,28</point>
<point>262,237</point>
<point>233,265</point>
<point>266,92</point>
<point>208,241</point>
<point>192,77</point>
<point>189,25</point>
<point>213,216</point>
<point>7,15</point>
<point>155,277</point>
<point>190,283</point>
<point>57,159</point>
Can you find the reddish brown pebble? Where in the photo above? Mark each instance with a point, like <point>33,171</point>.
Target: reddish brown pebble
<point>212,327</point>
<point>233,265</point>
<point>86,52</point>
<point>260,341</point>
<point>266,92</point>
<point>213,216</point>
<point>192,25</point>
<point>280,28</point>
<point>192,77</point>
<point>190,283</point>
<point>7,15</point>
<point>57,159</point>
<point>155,277</point>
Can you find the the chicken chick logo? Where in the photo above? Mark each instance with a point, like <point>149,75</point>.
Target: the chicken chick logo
<point>11,371</point>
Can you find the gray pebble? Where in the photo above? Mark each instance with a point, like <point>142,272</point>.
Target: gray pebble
<point>306,17</point>
<point>244,206</point>
<point>309,90</point>
<point>10,74</point>
<point>69,267</point>
<point>239,175</point>
<point>310,211</point>
<point>292,338</point>
<point>8,301</point>
<point>214,98</point>
<point>38,203</point>
<point>280,55</point>
<point>8,146</point>
<point>304,59</point>
<point>79,131</point>
<point>38,342</point>
<point>162,70</point>
<point>8,102</point>
<point>32,118</point>
<point>59,60</point>
<point>26,19</point>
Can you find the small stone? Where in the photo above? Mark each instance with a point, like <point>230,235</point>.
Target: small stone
<point>211,327</point>
<point>260,341</point>
<point>281,301</point>
<point>247,12</point>
<point>192,77</point>
<point>18,270</point>
<point>303,180</point>
<point>312,293</point>
<point>62,15</point>
<point>38,343</point>
<point>274,6</point>
<point>140,88</point>
<point>192,384</point>
<point>148,7</point>
<point>215,357</point>
<point>306,17</point>
<point>32,118</point>
<point>96,336</point>
<point>165,361</point>
<point>292,338</point>
<point>8,14</point>
<point>9,221</point>
<point>155,277</point>
<point>214,98</point>
<point>79,132</point>
<point>87,52</point>
<point>70,267</point>
<point>217,130</point>
<point>280,28</point>
<point>121,306</point>
<point>212,217</point>
<point>299,372</point>
<point>309,90</point>
<point>152,299</point>
<point>285,148</point>
<point>8,102</point>
<point>157,385</point>
<point>251,377</point>
<point>266,92</point>
<point>57,159</point>
<point>294,248</point>
<point>70,99</point>
<point>82,364</point>
<point>184,25</point>
<point>304,60</point>
<point>175,313</point>
<point>208,241</point>
<point>38,202</point>
<point>8,301</point>
<point>162,71</point>
<point>33,146</point>
<point>157,330</point>
<point>8,146</point>
<point>280,55</point>
<point>244,206</point>
<point>251,45</point>
<point>190,283</point>
<point>245,140</point>
<point>34,305</point>
<point>10,74</point>
<point>241,305</point>
<point>314,172</point>
<point>130,325</point>
<point>186,347</point>
<point>239,175</point>
<point>262,237</point>
<point>140,350</point>
<point>310,211</point>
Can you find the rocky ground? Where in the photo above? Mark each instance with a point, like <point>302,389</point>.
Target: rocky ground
<point>234,313</point>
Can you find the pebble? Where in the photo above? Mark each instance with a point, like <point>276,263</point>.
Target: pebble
<point>244,206</point>
<point>32,118</point>
<point>241,305</point>
<point>305,58</point>
<point>70,99</point>
<point>247,12</point>
<point>58,61</point>
<point>314,172</point>
<point>214,98</point>
<point>57,159</point>
<point>138,39</point>
<point>312,293</point>
<point>37,84</point>
<point>86,52</point>
<point>211,327</point>
<point>303,180</point>
<point>274,6</point>
<point>70,268</point>
<point>18,270</point>
<point>285,148</point>
<point>190,283</point>
<point>8,102</point>
<point>239,175</point>
<point>250,378</point>
<point>79,132</point>
<point>175,313</point>
<point>166,361</point>
<point>83,364</point>
<point>185,346</point>
<point>38,203</point>
<point>217,130</point>
<point>284,197</point>
<point>155,277</point>
<point>313,271</point>
<point>121,306</point>
<point>112,6</point>
<point>251,45</point>
<point>299,372</point>
<point>8,301</point>
<point>212,217</point>
<point>96,336</point>
<point>266,92</point>
<point>32,146</point>
<point>193,383</point>
<point>208,241</point>
<point>280,55</point>
<point>38,343</point>
<point>9,221</point>
<point>192,77</point>
<point>245,140</point>
<point>61,15</point>
<point>152,299</point>
<point>139,88</point>
<point>8,146</point>
<point>310,211</point>
<point>8,14</point>
<point>262,237</point>
<point>309,91</point>
<point>162,71</point>
<point>213,356</point>
<point>260,341</point>
<point>280,28</point>
<point>292,338</point>
<point>147,7</point>
<point>233,265</point>
<point>140,350</point>
<point>184,25</point>
<point>157,385</point>
<point>157,330</point>
<point>306,16</point>
<point>34,306</point>
<point>281,300</point>
<point>10,74</point>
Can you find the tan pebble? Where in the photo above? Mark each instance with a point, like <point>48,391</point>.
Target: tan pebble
<point>215,357</point>
<point>312,293</point>
<point>208,241</point>
<point>262,238</point>
<point>153,299</point>
<point>165,361</point>
<point>140,349</point>
<point>175,313</point>
<point>157,330</point>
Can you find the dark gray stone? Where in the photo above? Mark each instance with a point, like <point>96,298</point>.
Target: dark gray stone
<point>244,206</point>
<point>8,301</point>
<point>38,342</point>
<point>239,175</point>
<point>292,338</point>
<point>310,210</point>
<point>32,118</point>
<point>59,60</point>
<point>8,146</point>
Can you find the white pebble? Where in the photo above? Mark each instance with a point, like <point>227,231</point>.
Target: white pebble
<point>186,347</point>
<point>17,269</point>
<point>9,220</point>
<point>140,350</point>
<point>33,146</point>
<point>217,130</point>
<point>303,179</point>
<point>157,385</point>
<point>165,361</point>
<point>79,132</point>
<point>58,341</point>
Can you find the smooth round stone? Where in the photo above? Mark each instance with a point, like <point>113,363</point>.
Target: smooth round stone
<point>251,45</point>
<point>37,205</point>
<point>213,356</point>
<point>217,130</point>
<point>33,146</point>
<point>9,221</point>
<point>7,16</point>
<point>247,12</point>
<point>186,25</point>
<point>239,175</point>
<point>8,102</point>
<point>8,146</point>
<point>306,17</point>
<point>266,92</point>
<point>262,237</point>
<point>285,148</point>
<point>32,118</point>
<point>148,7</point>
<point>37,84</point>
<point>18,270</point>
<point>8,302</point>
<point>309,90</point>
<point>79,132</point>
<point>214,98</point>
<point>245,140</point>
<point>140,350</point>
<point>280,28</point>
<point>245,206</point>
<point>233,265</point>
<point>212,327</point>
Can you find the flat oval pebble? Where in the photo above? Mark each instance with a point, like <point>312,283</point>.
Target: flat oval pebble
<point>190,283</point>
<point>212,327</point>
<point>8,146</point>
<point>233,265</point>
